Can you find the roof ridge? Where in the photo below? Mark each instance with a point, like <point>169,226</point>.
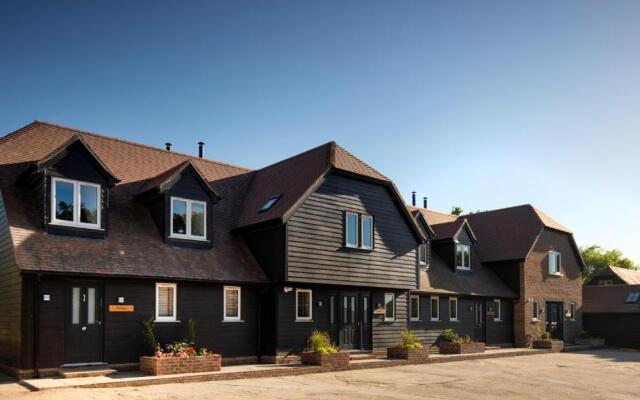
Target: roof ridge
<point>108,137</point>
<point>499,209</point>
<point>295,156</point>
<point>359,160</point>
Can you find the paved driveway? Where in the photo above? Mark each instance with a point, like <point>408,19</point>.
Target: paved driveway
<point>604,374</point>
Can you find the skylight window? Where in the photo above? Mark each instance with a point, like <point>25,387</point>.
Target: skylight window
<point>269,203</point>
<point>632,298</point>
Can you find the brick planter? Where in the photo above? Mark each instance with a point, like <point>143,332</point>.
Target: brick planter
<point>415,355</point>
<point>553,345</point>
<point>465,348</point>
<point>593,342</point>
<point>334,362</point>
<point>177,365</point>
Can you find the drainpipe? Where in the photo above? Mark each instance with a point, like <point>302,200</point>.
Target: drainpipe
<point>36,328</point>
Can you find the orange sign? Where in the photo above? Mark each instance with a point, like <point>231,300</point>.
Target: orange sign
<point>120,308</point>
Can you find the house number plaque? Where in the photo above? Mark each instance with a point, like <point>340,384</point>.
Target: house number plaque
<point>121,308</point>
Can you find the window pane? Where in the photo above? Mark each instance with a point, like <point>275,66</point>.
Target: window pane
<point>367,232</point>
<point>388,305</point>
<point>75,306</point>
<point>453,309</point>
<point>332,309</point>
<point>458,256</point>
<point>497,311</point>
<point>352,231</point>
<point>365,310</point>
<point>345,310</point>
<point>423,253</point>
<point>466,256</point>
<point>179,217</point>
<point>435,304</point>
<point>231,303</point>
<point>415,307</point>
<point>64,201</point>
<point>165,301</point>
<point>552,262</point>
<point>353,310</point>
<point>304,305</point>
<point>197,219</point>
<point>91,306</point>
<point>88,204</point>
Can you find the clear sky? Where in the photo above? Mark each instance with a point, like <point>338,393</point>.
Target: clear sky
<point>480,104</point>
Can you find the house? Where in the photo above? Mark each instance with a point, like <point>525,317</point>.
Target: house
<point>98,234</point>
<point>504,275</point>
<point>611,307</point>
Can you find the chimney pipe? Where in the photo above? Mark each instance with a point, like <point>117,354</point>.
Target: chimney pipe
<point>200,146</point>
<point>167,146</point>
<point>413,198</point>
<point>424,202</point>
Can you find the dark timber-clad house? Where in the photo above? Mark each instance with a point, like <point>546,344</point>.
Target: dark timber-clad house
<point>98,234</point>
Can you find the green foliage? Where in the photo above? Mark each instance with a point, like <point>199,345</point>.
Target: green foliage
<point>455,210</point>
<point>597,258</point>
<point>148,330</point>
<point>320,343</point>
<point>450,336</point>
<point>182,349</point>
<point>546,336</point>
<point>409,341</point>
<point>191,331</point>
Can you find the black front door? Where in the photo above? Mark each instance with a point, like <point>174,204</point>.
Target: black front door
<point>355,321</point>
<point>83,325</point>
<point>479,321</point>
<point>554,320</point>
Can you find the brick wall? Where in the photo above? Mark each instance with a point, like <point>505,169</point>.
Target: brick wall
<point>177,365</point>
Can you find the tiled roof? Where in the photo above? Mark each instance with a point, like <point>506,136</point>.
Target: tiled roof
<point>629,276</point>
<point>133,246</point>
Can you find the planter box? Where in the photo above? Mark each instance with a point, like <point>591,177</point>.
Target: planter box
<point>593,342</point>
<point>177,365</point>
<point>416,355</point>
<point>335,361</point>
<point>465,348</point>
<point>553,345</point>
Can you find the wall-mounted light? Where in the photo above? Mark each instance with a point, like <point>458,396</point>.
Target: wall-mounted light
<point>288,289</point>
<point>46,297</point>
<point>121,300</point>
<point>319,303</point>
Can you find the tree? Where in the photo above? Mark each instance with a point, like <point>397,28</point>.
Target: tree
<point>597,258</point>
<point>455,210</point>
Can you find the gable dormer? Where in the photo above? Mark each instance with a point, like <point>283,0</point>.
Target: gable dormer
<point>454,242</point>
<point>181,203</point>
<point>72,188</point>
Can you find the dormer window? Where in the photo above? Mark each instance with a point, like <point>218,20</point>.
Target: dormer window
<point>463,256</point>
<point>358,230</point>
<point>188,219</point>
<point>270,203</point>
<point>75,203</point>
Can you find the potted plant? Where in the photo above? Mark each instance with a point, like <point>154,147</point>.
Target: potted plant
<point>408,348</point>
<point>178,357</point>
<point>585,338</point>
<point>451,343</point>
<point>547,342</point>
<point>324,353</point>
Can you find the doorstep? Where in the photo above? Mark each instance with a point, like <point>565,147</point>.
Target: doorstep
<point>137,378</point>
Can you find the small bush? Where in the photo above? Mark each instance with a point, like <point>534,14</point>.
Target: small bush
<point>450,336</point>
<point>191,331</point>
<point>409,341</point>
<point>546,336</point>
<point>320,343</point>
<point>148,330</point>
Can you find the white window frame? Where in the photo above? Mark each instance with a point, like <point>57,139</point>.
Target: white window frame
<point>535,316</point>
<point>393,302</point>
<point>437,317</point>
<point>452,299</point>
<point>310,317</point>
<point>557,257</point>
<point>422,251</point>
<point>224,304</point>
<point>172,318</point>
<point>188,235</point>
<point>572,310</point>
<point>411,307</point>
<point>77,201</point>
<point>497,315</point>
<point>463,267</point>
<point>346,230</point>
<point>362,218</point>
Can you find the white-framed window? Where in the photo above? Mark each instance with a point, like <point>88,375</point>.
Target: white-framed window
<point>422,254</point>
<point>463,256</point>
<point>366,231</point>
<point>232,304</point>
<point>497,305</point>
<point>415,308</point>
<point>555,262</point>
<point>351,229</point>
<point>572,312</point>
<point>453,308</point>
<point>166,302</point>
<point>389,306</point>
<point>435,308</point>
<point>188,219</point>
<point>75,203</point>
<point>303,305</point>
<point>535,310</point>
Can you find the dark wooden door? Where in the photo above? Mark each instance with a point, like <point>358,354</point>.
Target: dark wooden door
<point>348,320</point>
<point>83,325</point>
<point>479,331</point>
<point>554,320</point>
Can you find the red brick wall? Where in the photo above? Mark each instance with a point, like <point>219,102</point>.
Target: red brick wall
<point>536,283</point>
<point>177,365</point>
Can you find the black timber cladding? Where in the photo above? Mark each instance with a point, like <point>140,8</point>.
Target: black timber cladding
<point>315,238</point>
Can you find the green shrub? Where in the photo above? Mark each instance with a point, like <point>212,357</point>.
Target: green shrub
<point>191,332</point>
<point>546,336</point>
<point>320,343</point>
<point>148,330</point>
<point>409,341</point>
<point>450,336</point>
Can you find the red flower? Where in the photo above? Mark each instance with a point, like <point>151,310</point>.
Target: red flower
<point>190,351</point>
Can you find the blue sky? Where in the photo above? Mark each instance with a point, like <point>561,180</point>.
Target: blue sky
<point>476,104</point>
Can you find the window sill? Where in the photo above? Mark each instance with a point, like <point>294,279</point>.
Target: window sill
<point>463,269</point>
<point>232,320</point>
<point>435,320</point>
<point>555,273</point>
<point>415,319</point>
<point>454,320</point>
<point>76,226</point>
<point>189,238</point>
<point>535,319</point>
<point>304,320</point>
<point>359,249</point>
<point>166,320</point>
<point>497,320</point>
<point>389,320</point>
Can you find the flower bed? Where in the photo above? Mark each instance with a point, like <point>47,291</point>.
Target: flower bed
<point>331,361</point>
<point>553,345</point>
<point>180,365</point>
<point>408,354</point>
<point>461,348</point>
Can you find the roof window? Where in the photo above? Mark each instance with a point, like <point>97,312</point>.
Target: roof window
<point>269,203</point>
